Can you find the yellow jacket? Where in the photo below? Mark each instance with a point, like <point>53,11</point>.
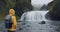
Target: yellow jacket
<point>12,14</point>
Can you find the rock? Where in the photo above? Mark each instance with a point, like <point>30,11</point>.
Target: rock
<point>43,22</point>
<point>28,25</point>
<point>54,14</point>
<point>20,28</point>
<point>23,23</point>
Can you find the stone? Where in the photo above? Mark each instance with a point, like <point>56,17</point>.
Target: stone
<point>43,22</point>
<point>54,14</point>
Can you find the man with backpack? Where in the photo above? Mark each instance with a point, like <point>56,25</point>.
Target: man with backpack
<point>10,21</point>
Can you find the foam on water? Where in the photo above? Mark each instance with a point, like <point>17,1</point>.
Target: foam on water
<point>34,16</point>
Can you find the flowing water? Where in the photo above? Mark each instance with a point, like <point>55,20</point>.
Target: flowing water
<point>34,16</point>
<point>31,22</point>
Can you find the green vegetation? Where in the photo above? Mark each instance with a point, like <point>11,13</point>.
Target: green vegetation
<point>52,4</point>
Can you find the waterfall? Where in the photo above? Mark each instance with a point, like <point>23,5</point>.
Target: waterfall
<point>33,16</point>
<point>36,15</point>
<point>38,23</point>
<point>29,20</point>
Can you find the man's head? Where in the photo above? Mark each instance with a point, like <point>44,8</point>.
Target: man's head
<point>11,12</point>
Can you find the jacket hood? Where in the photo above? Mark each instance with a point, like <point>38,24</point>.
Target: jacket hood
<point>12,12</point>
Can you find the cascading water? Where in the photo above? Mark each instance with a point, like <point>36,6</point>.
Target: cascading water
<point>30,21</point>
<point>34,16</point>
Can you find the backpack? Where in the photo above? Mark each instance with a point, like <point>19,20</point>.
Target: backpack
<point>8,22</point>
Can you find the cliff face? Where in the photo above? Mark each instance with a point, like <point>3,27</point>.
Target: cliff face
<point>54,14</point>
<point>52,4</point>
<point>22,6</point>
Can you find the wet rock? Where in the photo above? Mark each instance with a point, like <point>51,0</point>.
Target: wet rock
<point>28,25</point>
<point>27,29</point>
<point>43,22</point>
<point>19,21</point>
<point>44,7</point>
<point>23,23</point>
<point>41,29</point>
<point>20,28</point>
<point>54,14</point>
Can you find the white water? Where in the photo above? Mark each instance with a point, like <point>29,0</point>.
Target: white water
<point>37,15</point>
<point>34,16</point>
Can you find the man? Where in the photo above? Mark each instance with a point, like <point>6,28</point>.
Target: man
<point>10,21</point>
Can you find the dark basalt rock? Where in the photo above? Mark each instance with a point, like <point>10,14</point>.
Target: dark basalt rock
<point>44,7</point>
<point>22,6</point>
<point>23,23</point>
<point>42,22</point>
<point>54,14</point>
<point>28,25</point>
<point>20,28</point>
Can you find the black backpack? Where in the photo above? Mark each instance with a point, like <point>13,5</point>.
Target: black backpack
<point>8,22</point>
